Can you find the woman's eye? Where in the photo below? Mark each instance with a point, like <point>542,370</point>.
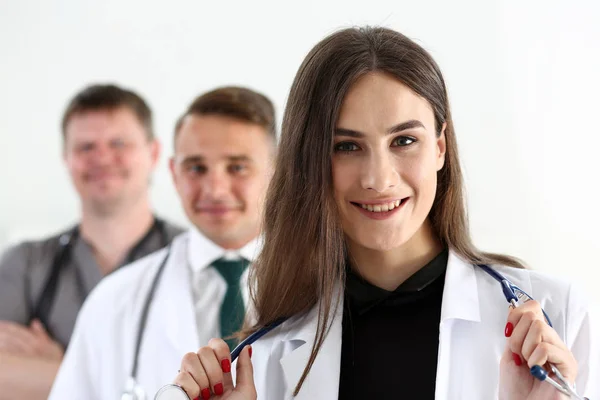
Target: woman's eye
<point>401,141</point>
<point>345,147</point>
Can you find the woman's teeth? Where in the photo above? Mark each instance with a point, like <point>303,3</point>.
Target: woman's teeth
<point>381,207</point>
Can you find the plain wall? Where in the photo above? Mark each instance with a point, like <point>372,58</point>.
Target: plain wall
<point>523,80</point>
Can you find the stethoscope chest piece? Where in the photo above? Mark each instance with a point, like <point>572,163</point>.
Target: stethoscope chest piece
<point>171,392</point>
<point>133,391</point>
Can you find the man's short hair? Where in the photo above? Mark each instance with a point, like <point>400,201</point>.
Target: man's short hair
<point>108,98</point>
<point>235,102</point>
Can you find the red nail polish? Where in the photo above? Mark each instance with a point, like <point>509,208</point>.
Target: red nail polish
<point>226,365</point>
<point>219,389</point>
<point>205,394</point>
<point>509,329</point>
<point>517,359</point>
<point>250,351</point>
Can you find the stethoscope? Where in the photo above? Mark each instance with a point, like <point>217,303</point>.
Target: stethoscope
<point>43,306</point>
<point>513,295</point>
<point>133,390</point>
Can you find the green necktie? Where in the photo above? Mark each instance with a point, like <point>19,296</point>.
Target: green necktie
<point>233,309</point>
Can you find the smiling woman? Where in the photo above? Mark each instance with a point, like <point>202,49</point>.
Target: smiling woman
<point>387,152</point>
<point>368,257</point>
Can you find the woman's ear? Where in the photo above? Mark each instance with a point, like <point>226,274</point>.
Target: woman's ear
<point>441,148</point>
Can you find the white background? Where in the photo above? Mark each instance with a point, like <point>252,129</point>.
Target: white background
<point>524,81</point>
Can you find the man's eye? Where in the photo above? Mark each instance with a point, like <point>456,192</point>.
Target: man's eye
<point>197,169</point>
<point>118,143</point>
<point>237,168</point>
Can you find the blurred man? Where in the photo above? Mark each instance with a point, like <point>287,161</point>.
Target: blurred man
<point>223,161</point>
<point>110,152</point>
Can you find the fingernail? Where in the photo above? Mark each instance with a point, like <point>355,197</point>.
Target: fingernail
<point>226,365</point>
<point>517,359</point>
<point>219,389</point>
<point>205,394</point>
<point>250,351</point>
<point>509,329</point>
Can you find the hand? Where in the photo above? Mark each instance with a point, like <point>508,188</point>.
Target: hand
<point>209,372</point>
<point>531,341</point>
<point>32,341</point>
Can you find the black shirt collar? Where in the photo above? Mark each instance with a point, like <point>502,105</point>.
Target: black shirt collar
<point>363,295</point>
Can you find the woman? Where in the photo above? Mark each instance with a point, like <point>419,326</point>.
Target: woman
<point>368,257</point>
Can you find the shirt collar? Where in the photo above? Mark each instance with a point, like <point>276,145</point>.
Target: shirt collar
<point>202,251</point>
<point>364,295</point>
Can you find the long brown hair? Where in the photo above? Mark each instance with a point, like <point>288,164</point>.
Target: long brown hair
<point>303,259</point>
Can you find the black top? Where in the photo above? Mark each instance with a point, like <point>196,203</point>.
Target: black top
<point>390,339</point>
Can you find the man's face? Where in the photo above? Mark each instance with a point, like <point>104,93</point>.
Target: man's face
<point>222,169</point>
<point>109,158</point>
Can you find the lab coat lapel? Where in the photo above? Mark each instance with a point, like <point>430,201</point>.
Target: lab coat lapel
<point>171,329</point>
<point>461,298</point>
<point>460,309</point>
<point>174,303</point>
<point>322,381</point>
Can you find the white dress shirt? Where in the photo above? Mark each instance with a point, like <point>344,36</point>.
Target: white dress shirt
<point>208,286</point>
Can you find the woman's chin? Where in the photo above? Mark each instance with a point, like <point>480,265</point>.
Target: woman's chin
<point>380,244</point>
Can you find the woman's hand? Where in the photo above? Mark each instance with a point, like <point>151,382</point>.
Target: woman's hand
<point>208,373</point>
<point>531,341</point>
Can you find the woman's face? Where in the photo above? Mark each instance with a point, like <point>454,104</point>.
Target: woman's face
<point>385,161</point>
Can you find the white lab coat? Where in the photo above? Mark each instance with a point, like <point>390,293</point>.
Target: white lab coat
<point>472,340</point>
<point>100,355</point>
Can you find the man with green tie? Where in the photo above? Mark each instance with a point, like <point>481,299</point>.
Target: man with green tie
<point>224,151</point>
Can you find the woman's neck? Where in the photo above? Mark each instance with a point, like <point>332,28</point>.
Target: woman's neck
<point>389,269</point>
